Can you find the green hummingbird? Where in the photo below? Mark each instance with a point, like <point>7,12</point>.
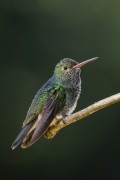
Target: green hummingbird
<point>56,99</point>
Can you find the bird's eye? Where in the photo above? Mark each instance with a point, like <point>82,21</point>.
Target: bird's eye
<point>65,67</point>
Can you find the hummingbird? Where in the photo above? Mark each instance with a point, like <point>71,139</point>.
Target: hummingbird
<point>56,99</point>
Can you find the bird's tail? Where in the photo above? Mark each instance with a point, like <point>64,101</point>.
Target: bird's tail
<point>21,135</point>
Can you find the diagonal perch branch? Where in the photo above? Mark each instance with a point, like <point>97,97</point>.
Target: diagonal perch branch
<point>52,130</point>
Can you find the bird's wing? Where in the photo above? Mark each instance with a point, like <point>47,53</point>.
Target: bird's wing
<point>54,103</point>
<point>33,112</point>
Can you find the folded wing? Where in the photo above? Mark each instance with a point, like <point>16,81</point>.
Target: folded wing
<point>33,130</point>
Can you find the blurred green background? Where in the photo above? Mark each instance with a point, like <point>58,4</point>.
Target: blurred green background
<point>34,36</point>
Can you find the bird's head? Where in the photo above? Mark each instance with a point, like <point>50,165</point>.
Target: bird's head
<point>67,71</point>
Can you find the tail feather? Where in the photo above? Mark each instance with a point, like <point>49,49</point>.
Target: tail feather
<point>21,135</point>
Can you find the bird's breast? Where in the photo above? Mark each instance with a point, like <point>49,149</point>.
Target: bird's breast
<point>72,96</point>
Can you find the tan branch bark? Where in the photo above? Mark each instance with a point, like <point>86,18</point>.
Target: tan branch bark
<point>52,130</point>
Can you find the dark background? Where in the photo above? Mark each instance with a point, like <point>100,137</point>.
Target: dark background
<point>34,36</point>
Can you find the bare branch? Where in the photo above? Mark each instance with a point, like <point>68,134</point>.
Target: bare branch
<point>53,129</point>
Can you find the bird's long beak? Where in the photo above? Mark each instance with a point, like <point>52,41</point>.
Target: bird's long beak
<point>78,66</point>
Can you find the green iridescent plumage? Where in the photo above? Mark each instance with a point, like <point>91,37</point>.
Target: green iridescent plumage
<point>57,97</point>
